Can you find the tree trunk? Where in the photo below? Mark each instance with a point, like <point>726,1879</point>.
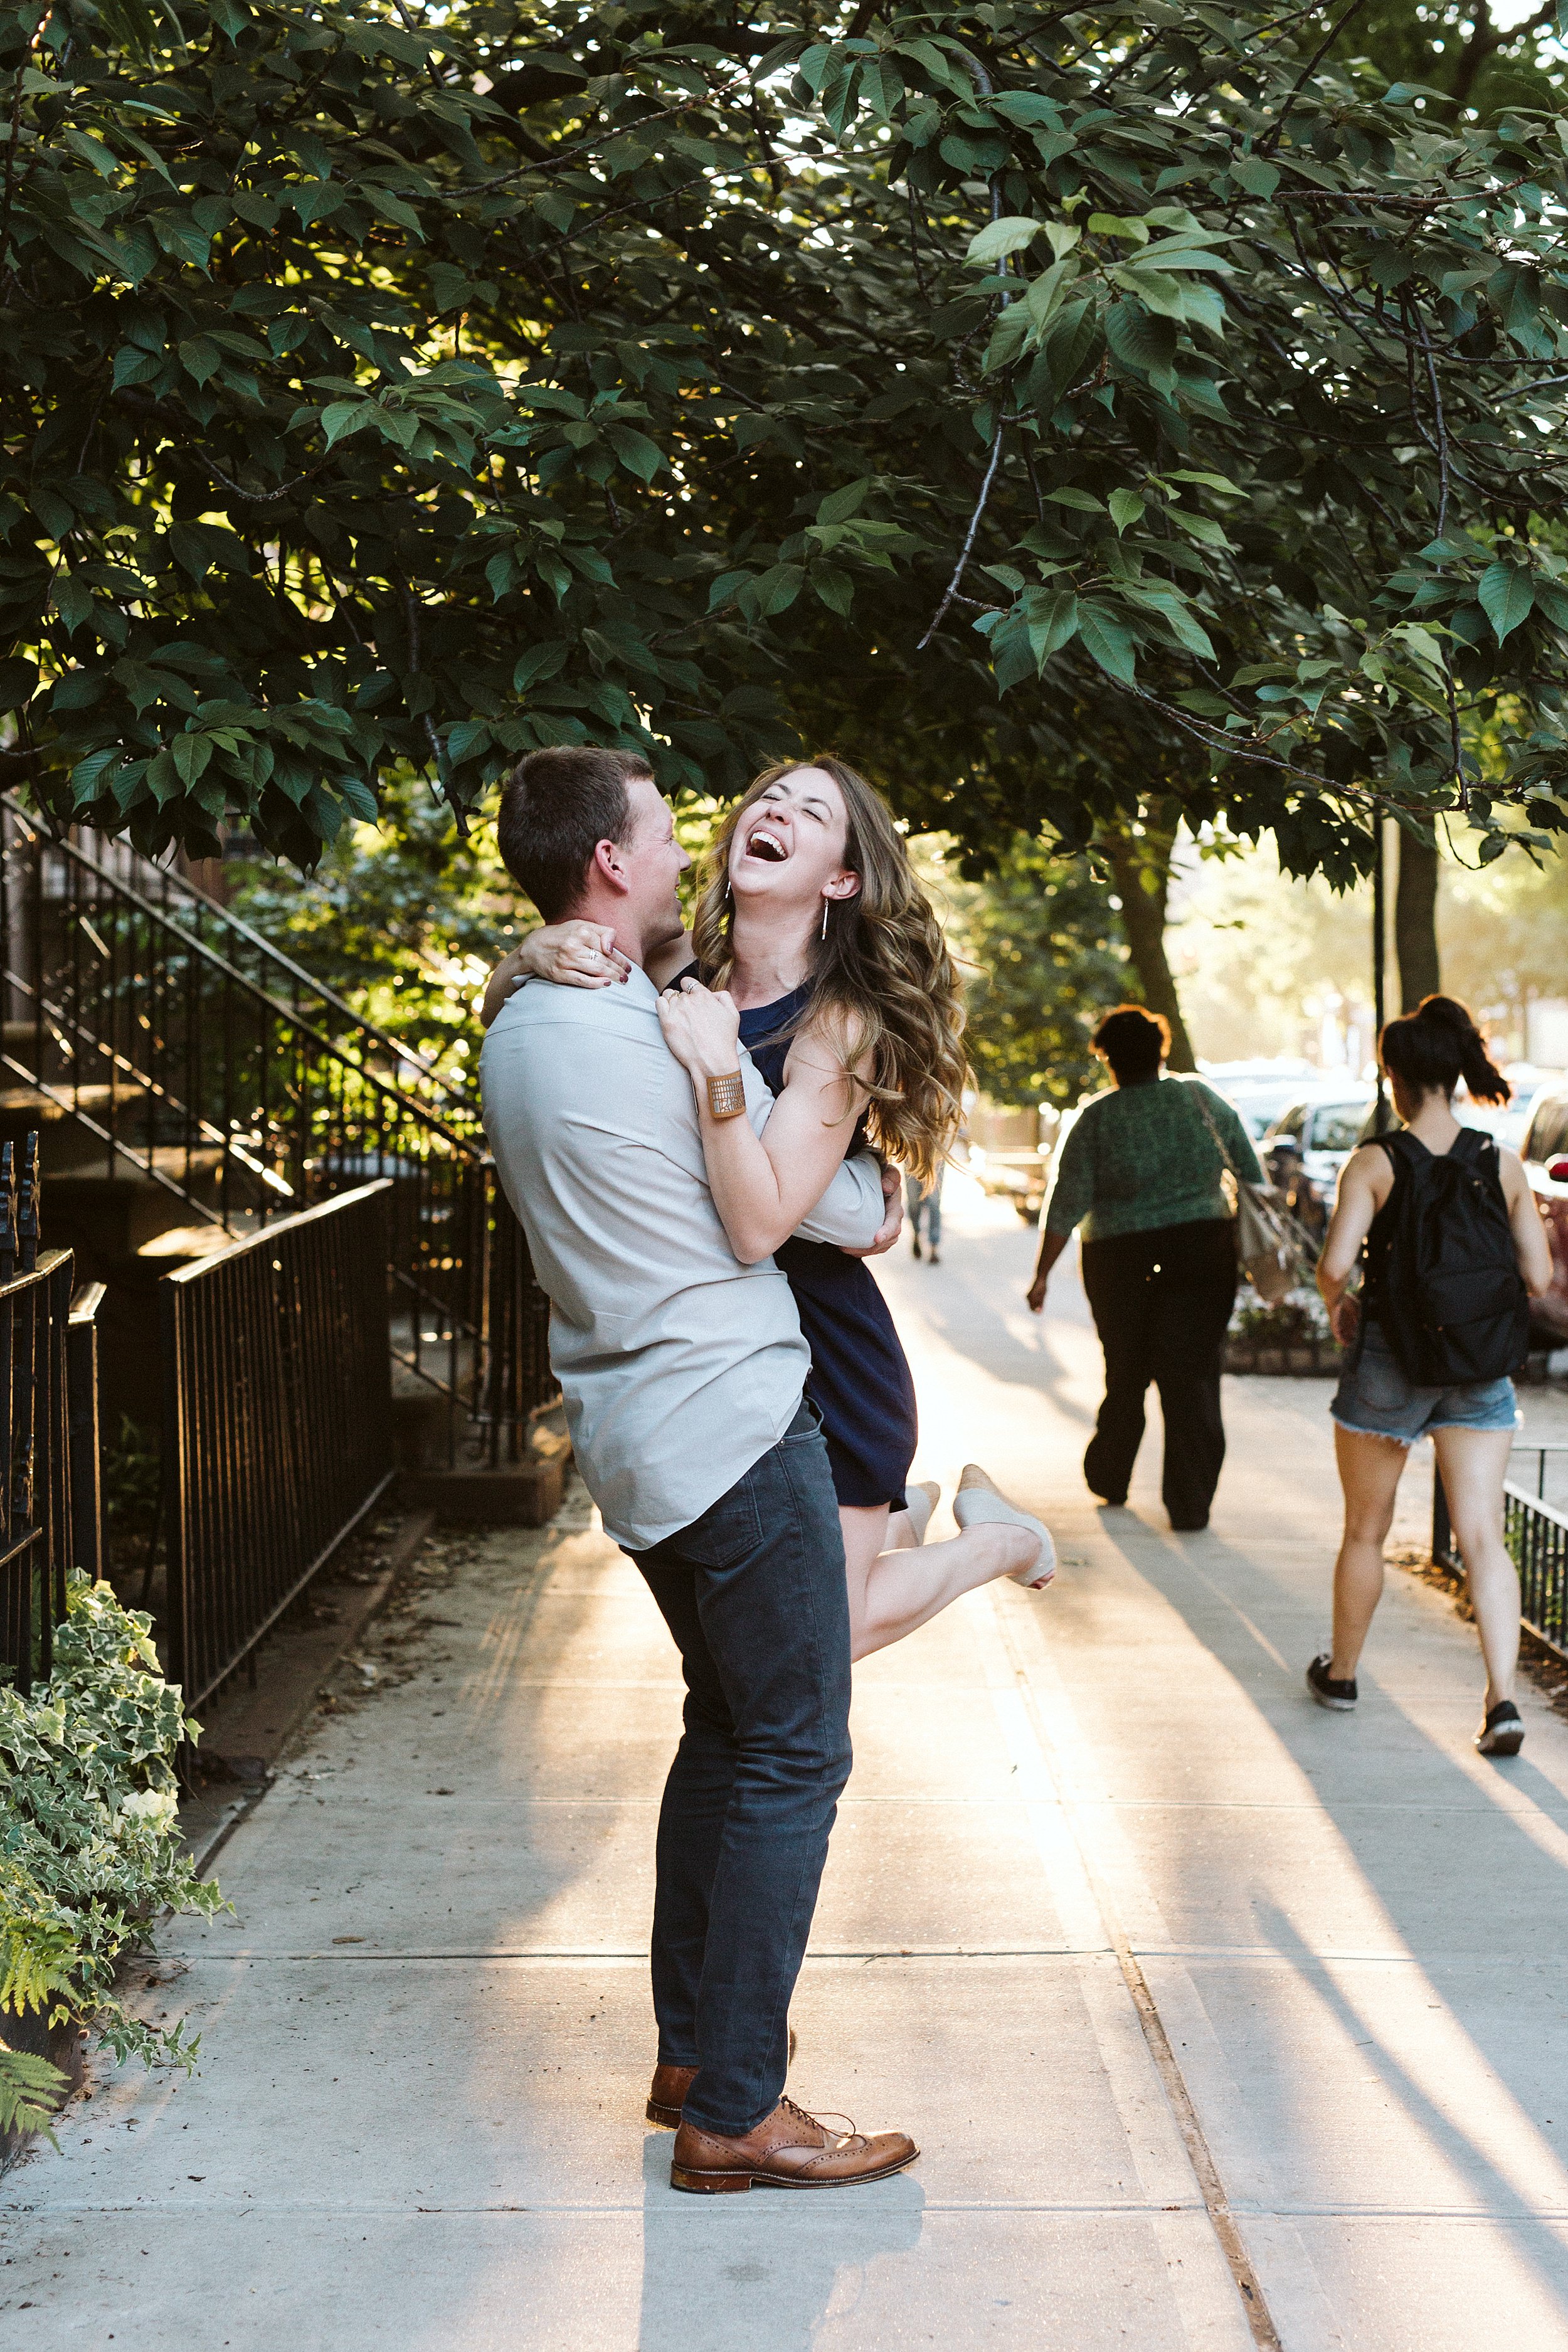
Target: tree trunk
<point>1141,865</point>
<point>1415,922</point>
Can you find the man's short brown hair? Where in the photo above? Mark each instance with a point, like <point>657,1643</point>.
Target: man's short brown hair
<point>556,807</point>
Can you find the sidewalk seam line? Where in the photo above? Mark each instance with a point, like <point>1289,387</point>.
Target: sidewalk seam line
<point>1248,2285</point>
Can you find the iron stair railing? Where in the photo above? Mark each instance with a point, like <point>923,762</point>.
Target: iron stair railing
<point>169,1042</point>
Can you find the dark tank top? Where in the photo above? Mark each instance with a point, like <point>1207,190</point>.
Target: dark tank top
<point>860,1381</point>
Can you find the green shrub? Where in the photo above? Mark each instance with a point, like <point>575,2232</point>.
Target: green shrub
<point>90,1846</point>
<point>1293,1322</point>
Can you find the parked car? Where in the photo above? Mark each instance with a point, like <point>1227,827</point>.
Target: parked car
<point>1305,1148</point>
<point>1508,1123</point>
<point>1008,1153</point>
<point>1545,1156</point>
<point>1259,1091</point>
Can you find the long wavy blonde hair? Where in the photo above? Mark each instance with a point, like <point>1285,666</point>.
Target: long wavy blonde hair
<point>883,985</point>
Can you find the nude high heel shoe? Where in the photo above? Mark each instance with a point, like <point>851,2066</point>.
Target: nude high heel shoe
<point>979,1502</point>
<point>920,1502</point>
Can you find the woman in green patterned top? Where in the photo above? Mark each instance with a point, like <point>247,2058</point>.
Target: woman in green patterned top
<point>1142,1169</point>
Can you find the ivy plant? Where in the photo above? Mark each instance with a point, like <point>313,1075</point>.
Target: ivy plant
<point>90,1847</point>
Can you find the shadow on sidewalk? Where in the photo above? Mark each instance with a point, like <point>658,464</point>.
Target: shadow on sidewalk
<point>762,2272</point>
<point>1435,1860</point>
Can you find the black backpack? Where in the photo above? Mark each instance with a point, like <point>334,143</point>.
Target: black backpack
<point>1445,1282</point>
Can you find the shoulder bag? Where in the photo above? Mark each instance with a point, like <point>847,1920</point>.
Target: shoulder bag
<point>1268,1245</point>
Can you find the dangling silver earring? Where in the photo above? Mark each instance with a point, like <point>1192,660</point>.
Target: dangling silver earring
<point>824,918</point>
<point>726,886</point>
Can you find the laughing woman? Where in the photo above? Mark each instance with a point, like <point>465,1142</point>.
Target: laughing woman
<point>816,949</point>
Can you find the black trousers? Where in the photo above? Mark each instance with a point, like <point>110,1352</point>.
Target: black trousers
<point>1162,1300</point>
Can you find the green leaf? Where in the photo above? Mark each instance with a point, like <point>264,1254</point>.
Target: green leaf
<point>72,601</point>
<point>1210,481</point>
<point>1108,640</point>
<point>1167,294</point>
<point>163,778</point>
<point>1552,601</point>
<point>1084,501</point>
<point>191,753</point>
<point>346,416</point>
<point>778,588</point>
<point>636,453</point>
<point>91,777</point>
<point>537,663</point>
<point>386,206</point>
<point>1199,527</point>
<point>1256,176</point>
<point>1142,341</point>
<point>1159,596</point>
<point>841,504</point>
<point>1046,293</point>
<point>1013,329</point>
<point>93,152</point>
<point>1052,619</point>
<point>134,366</point>
<point>1073,340</point>
<point>1000,238</point>
<point>1126,508</point>
<point>200,357</point>
<point>1507,593</point>
<point>1025,106</point>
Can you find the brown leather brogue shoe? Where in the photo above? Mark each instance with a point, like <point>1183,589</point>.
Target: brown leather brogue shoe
<point>670,2084</point>
<point>788,2149</point>
<point>667,2096</point>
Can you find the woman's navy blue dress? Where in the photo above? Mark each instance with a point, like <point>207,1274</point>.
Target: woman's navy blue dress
<point>859,1380</point>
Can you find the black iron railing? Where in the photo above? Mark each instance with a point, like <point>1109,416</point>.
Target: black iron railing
<point>1536,1534</point>
<point>278,1421</point>
<point>164,1039</point>
<point>49,1428</point>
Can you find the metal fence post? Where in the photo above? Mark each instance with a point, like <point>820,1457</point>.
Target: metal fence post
<point>85,1455</point>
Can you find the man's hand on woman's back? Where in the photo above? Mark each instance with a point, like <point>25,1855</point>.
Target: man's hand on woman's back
<point>893,1225</point>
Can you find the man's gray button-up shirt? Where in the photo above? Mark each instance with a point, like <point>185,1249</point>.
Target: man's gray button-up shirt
<point>680,1365</point>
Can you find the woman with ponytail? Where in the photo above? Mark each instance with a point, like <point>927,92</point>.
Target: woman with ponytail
<point>1450,1241</point>
<point>815,951</point>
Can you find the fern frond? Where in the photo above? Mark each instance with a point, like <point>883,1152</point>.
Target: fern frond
<point>31,2092</point>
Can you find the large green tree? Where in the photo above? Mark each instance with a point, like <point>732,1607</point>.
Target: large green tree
<point>1485,66</point>
<point>1036,943</point>
<point>1062,409</point>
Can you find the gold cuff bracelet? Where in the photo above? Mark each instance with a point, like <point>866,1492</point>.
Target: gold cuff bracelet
<point>727,1095</point>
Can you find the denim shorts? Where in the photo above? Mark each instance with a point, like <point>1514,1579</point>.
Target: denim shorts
<point>1377,1398</point>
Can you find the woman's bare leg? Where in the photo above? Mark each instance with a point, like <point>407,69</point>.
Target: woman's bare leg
<point>900,1535</point>
<point>1474,1464</point>
<point>893,1591</point>
<point>1369,1470</point>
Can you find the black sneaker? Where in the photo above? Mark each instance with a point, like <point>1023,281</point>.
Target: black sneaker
<point>1326,1690</point>
<point>915,1243</point>
<point>1502,1733</point>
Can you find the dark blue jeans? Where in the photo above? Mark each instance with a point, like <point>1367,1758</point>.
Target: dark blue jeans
<point>754,1594</point>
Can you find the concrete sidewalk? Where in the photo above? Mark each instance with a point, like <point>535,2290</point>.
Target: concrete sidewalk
<point>418,2119</point>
